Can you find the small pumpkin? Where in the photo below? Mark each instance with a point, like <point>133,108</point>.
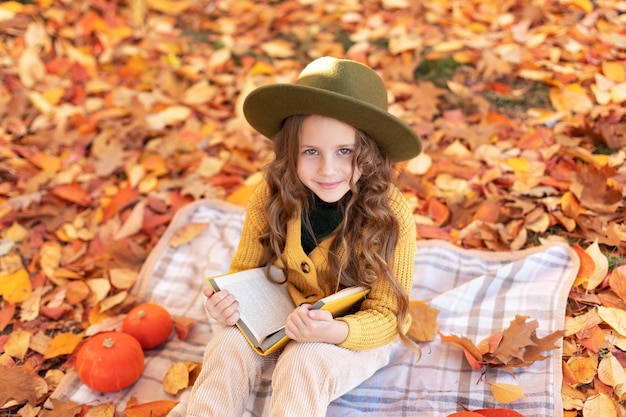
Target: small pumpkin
<point>109,361</point>
<point>151,324</point>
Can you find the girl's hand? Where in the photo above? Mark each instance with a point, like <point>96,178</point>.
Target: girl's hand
<point>222,306</point>
<point>305,325</point>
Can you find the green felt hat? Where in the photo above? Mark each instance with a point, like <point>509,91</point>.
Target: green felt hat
<point>341,89</point>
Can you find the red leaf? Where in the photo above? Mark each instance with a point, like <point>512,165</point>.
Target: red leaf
<point>123,198</point>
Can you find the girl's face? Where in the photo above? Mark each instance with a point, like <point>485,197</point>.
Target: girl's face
<point>325,157</point>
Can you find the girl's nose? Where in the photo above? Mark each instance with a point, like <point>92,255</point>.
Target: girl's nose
<point>327,166</point>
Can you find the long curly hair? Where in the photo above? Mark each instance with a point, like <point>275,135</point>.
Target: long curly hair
<point>363,247</point>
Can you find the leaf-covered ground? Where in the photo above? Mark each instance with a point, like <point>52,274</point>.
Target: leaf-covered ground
<point>114,114</point>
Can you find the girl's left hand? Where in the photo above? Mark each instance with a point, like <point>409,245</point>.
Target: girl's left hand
<point>305,325</point>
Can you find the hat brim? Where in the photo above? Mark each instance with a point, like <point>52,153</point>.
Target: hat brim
<point>267,107</point>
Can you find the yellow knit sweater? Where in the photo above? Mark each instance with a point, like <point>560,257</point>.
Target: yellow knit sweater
<point>308,276</point>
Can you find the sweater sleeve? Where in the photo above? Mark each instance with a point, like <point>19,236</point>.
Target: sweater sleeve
<point>376,323</point>
<point>250,251</point>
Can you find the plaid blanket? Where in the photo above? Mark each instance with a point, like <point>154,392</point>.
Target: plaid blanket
<point>477,293</point>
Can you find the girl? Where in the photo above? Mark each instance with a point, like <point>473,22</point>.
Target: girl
<point>328,214</point>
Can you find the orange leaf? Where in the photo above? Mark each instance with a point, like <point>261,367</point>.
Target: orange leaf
<point>424,325</point>
<point>472,354</point>
<point>617,281</point>
<point>46,162</point>
<point>488,212</point>
<point>63,344</point>
<point>432,232</point>
<point>241,195</point>
<point>73,193</point>
<point>587,265</point>
<point>498,412</point>
<point>182,325</point>
<point>438,211</point>
<point>158,408</point>
<point>6,314</point>
<point>570,205</point>
<point>123,198</point>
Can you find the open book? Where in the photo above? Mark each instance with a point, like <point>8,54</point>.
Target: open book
<point>264,305</point>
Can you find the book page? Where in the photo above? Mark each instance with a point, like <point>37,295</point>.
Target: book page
<point>263,305</point>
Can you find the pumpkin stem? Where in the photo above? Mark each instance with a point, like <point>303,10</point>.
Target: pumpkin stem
<point>108,343</point>
<point>141,314</point>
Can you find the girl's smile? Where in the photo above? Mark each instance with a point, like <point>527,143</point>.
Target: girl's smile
<point>325,158</point>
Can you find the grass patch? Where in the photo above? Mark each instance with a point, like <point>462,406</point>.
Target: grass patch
<point>438,71</point>
<point>534,95</point>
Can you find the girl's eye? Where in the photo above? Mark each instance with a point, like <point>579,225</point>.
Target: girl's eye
<point>345,151</point>
<point>310,152</point>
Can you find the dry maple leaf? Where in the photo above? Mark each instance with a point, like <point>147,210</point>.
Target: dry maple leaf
<point>18,384</point>
<point>62,409</point>
<point>516,346</point>
<point>424,325</point>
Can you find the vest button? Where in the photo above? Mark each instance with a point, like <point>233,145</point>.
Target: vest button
<point>305,267</point>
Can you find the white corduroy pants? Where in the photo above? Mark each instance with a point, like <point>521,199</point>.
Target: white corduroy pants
<point>306,377</point>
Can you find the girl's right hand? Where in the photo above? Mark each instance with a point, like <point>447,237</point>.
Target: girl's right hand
<point>222,306</point>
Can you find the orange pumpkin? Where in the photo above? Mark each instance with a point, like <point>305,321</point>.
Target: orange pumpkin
<point>110,361</point>
<point>151,324</point>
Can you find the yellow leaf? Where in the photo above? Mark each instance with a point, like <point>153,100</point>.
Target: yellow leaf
<point>110,302</point>
<point>572,97</point>
<point>614,70</point>
<point>420,164</point>
<point>15,287</point>
<point>614,317</point>
<point>599,405</point>
<point>583,369</point>
<point>278,48</point>
<point>123,278</point>
<point>101,410</point>
<point>241,195</point>
<point>611,372</point>
<point>12,6</point>
<point>17,344</point>
<point>601,265</point>
<point>618,93</point>
<point>16,232</point>
<point>172,7</point>
<point>63,344</point>
<point>187,233</point>
<point>506,393</point>
<point>168,116</point>
<point>448,46</point>
<point>54,95</point>
<point>261,67</point>
<point>50,253</point>
<point>585,5</point>
<point>518,164</point>
<point>176,378</point>
<point>99,288</point>
<point>133,223</point>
